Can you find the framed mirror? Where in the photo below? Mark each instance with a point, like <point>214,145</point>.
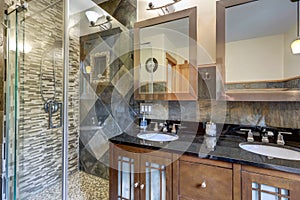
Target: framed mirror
<point>100,71</point>
<point>259,64</point>
<point>165,57</point>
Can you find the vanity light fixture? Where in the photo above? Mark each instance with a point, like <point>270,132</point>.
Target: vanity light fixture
<point>93,17</point>
<point>166,9</point>
<point>296,43</point>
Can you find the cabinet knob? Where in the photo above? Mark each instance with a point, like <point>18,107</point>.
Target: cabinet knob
<point>142,186</point>
<point>203,184</point>
<point>136,185</point>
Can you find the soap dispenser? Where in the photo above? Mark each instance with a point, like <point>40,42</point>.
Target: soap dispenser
<point>143,123</point>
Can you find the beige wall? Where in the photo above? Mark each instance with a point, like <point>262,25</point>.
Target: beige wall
<point>264,58</point>
<point>291,61</point>
<point>255,59</point>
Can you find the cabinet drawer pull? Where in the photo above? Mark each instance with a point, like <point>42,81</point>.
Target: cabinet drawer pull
<point>142,186</point>
<point>203,184</point>
<point>136,185</point>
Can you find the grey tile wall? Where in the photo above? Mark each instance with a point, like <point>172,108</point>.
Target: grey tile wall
<point>109,106</point>
<point>40,148</point>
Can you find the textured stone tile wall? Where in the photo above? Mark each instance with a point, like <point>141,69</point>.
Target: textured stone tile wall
<point>274,114</point>
<point>40,148</point>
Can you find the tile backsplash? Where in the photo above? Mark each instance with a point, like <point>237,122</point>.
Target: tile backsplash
<point>274,114</point>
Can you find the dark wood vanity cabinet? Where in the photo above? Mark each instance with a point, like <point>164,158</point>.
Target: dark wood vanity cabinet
<point>138,173</point>
<point>261,184</point>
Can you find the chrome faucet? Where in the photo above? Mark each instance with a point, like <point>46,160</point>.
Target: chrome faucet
<point>164,127</point>
<point>280,140</point>
<point>155,126</point>
<point>174,130</point>
<point>265,135</point>
<point>250,135</point>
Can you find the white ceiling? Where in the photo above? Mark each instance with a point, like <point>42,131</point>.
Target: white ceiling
<point>260,18</point>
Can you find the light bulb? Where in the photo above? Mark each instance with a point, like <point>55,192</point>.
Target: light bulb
<point>296,46</point>
<point>92,16</point>
<point>88,69</point>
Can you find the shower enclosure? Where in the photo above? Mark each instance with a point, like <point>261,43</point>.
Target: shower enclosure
<point>69,88</point>
<point>35,133</point>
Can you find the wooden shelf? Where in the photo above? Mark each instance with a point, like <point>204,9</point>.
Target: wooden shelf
<point>271,94</point>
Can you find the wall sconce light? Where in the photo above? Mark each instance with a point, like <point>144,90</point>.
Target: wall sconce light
<point>166,9</point>
<point>93,17</point>
<point>296,43</point>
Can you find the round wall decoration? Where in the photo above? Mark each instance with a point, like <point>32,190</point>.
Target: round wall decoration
<point>151,65</point>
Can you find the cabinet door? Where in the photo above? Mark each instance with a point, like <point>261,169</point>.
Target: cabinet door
<point>264,187</point>
<point>156,177</point>
<point>124,177</point>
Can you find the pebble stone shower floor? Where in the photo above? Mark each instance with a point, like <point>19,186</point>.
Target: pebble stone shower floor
<point>82,186</point>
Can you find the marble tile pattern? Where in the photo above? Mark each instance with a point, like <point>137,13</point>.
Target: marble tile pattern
<point>122,10</point>
<point>39,151</point>
<point>82,186</point>
<point>108,106</point>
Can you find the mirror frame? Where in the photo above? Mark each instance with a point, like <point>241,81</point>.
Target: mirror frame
<point>268,94</point>
<point>191,14</point>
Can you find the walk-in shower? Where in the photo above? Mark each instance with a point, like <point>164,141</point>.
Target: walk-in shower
<point>35,150</point>
<point>58,114</point>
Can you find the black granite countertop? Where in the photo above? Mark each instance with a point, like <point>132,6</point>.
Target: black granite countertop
<point>226,149</point>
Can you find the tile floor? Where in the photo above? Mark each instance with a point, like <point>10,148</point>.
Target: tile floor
<point>82,186</point>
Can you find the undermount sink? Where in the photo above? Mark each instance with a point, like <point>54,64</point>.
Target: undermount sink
<point>157,137</point>
<point>272,151</point>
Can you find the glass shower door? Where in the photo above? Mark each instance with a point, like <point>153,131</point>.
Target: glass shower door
<point>34,96</point>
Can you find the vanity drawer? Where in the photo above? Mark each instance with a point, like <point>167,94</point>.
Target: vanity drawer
<point>200,181</point>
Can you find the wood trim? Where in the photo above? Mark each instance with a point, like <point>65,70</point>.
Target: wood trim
<point>176,176</point>
<point>262,95</point>
<point>131,149</point>
<point>265,81</point>
<point>206,161</point>
<point>231,3</point>
<point>237,182</point>
<point>271,172</point>
<point>262,179</point>
<point>220,41</point>
<point>171,59</point>
<point>113,173</point>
